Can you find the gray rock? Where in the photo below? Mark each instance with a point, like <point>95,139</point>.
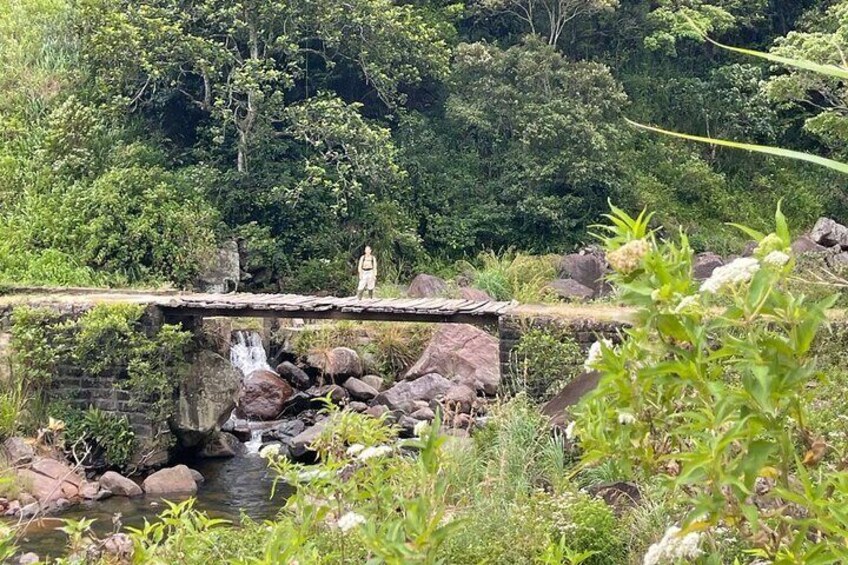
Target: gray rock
<point>586,268</point>
<point>426,286</point>
<point>703,265</point>
<point>425,387</point>
<point>359,390</point>
<point>460,399</point>
<point>570,289</point>
<point>119,485</point>
<point>119,547</point>
<point>374,381</point>
<point>294,375</point>
<point>30,510</point>
<point>284,431</point>
<point>425,414</point>
<point>357,406</point>
<point>377,410</point>
<point>29,559</point>
<point>804,245</point>
<point>221,272</point>
<point>407,426</point>
<point>222,445</point>
<point>338,395</point>
<point>207,396</point>
<point>828,233</point>
<point>300,444</point>
<point>18,451</point>
<point>297,404</point>
<point>197,476</point>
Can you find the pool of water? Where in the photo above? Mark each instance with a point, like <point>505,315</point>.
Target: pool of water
<point>232,487</point>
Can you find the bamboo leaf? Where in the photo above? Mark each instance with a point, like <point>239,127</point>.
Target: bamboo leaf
<point>768,150</point>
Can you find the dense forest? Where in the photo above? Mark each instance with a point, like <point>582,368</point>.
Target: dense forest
<point>138,134</point>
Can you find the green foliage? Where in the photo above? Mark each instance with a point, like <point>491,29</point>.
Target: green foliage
<point>107,438</point>
<point>543,362</point>
<point>512,276</point>
<point>34,351</point>
<point>8,549</point>
<point>709,387</point>
<point>13,404</point>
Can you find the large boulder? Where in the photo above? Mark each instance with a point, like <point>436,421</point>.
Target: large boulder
<point>426,286</point>
<point>49,480</point>
<point>338,363</point>
<point>294,375</point>
<point>359,390</point>
<point>173,480</point>
<point>404,393</point>
<point>703,265</point>
<point>119,485</point>
<point>828,233</point>
<point>460,399</point>
<point>207,396</point>
<point>570,289</point>
<point>18,451</point>
<point>464,354</point>
<point>586,268</point>
<point>221,272</point>
<point>263,396</point>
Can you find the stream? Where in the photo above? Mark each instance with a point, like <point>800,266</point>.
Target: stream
<point>232,487</point>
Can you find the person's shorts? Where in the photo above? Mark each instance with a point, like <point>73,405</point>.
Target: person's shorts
<point>367,281</point>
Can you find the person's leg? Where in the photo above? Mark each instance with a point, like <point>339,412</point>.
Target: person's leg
<point>360,288</point>
<point>372,282</point>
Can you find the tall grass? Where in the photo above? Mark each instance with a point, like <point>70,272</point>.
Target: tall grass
<point>512,276</point>
<point>13,405</point>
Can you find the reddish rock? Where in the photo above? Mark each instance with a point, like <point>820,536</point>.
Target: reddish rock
<point>465,355</point>
<point>173,480</point>
<point>470,293</point>
<point>804,245</point>
<point>119,485</point>
<point>426,286</point>
<point>49,480</point>
<point>18,451</point>
<point>263,396</point>
<point>704,264</point>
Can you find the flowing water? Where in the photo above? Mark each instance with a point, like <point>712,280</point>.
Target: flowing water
<point>232,486</point>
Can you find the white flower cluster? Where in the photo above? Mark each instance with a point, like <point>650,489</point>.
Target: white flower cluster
<point>570,432</point>
<point>376,451</point>
<point>349,521</point>
<point>674,548</point>
<point>270,451</point>
<point>738,271</point>
<point>595,353</point>
<point>776,259</point>
<point>420,428</point>
<point>685,303</point>
<point>628,257</point>
<point>626,418</point>
<point>354,449</point>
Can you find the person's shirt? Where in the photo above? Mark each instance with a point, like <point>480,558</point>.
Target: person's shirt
<point>367,263</point>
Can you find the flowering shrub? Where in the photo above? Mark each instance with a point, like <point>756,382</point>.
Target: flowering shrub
<point>708,390</point>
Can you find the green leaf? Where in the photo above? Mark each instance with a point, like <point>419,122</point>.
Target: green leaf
<point>768,150</point>
<point>781,227</point>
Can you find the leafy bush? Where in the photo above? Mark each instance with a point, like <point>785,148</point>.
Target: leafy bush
<point>543,362</point>
<point>586,524</point>
<point>709,388</point>
<point>107,438</point>
<point>397,347</point>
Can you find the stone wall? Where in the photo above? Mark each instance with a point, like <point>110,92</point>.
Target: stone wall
<point>584,331</point>
<point>73,385</point>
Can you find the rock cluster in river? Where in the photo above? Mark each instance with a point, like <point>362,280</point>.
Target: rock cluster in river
<point>455,374</point>
<point>49,484</point>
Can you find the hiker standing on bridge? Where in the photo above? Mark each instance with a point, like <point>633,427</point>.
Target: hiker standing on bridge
<point>367,269</point>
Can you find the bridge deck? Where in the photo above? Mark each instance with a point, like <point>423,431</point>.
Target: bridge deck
<point>176,304</point>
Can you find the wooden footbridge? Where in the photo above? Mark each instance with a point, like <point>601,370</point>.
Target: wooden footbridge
<point>178,305</point>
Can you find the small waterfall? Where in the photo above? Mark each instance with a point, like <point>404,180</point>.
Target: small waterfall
<point>247,353</point>
<point>255,444</point>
